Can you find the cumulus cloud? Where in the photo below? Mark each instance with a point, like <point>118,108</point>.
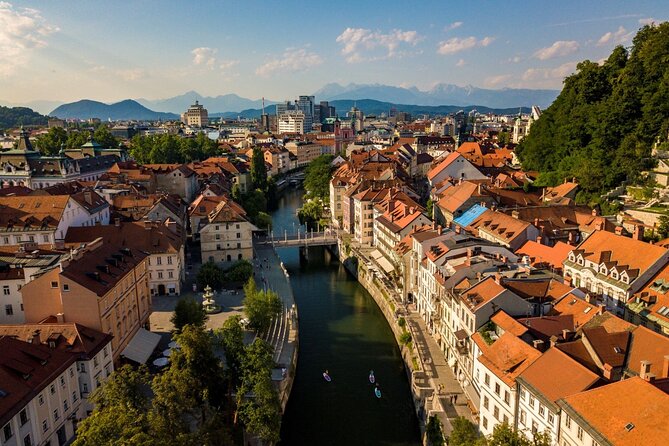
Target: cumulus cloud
<point>618,37</point>
<point>291,60</point>
<point>359,42</point>
<point>557,49</point>
<point>21,31</point>
<point>453,25</point>
<point>549,76</point>
<point>204,56</point>
<point>458,44</point>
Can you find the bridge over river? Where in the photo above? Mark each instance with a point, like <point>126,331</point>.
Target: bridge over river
<point>299,239</point>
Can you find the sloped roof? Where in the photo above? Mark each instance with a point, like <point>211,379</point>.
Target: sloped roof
<point>508,357</point>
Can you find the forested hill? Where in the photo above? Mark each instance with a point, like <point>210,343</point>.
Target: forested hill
<point>16,116</point>
<point>602,126</point>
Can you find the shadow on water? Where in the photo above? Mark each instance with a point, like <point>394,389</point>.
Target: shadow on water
<point>342,330</point>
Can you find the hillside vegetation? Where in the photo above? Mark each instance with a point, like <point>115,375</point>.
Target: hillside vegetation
<point>11,117</point>
<point>602,126</point>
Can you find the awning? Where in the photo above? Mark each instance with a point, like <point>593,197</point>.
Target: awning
<point>141,346</point>
<point>460,335</point>
<point>380,260</point>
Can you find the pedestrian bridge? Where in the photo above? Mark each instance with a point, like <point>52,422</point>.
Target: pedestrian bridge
<point>300,239</point>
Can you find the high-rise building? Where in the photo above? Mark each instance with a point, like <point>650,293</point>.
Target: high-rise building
<point>306,105</point>
<point>196,116</point>
<point>291,121</point>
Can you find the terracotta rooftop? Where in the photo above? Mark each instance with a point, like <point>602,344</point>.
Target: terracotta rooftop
<point>556,375</point>
<point>508,324</point>
<point>631,412</point>
<point>482,293</point>
<point>500,226</point>
<point>508,357</point>
<point>646,345</point>
<point>450,158</point>
<point>32,211</point>
<point>580,310</point>
<point>541,255</point>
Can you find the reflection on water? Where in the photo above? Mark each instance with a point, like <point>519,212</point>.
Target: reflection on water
<point>341,330</point>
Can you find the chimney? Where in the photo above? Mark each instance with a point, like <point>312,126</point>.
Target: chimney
<point>36,339</point>
<point>566,334</point>
<point>539,345</point>
<point>638,233</point>
<point>147,224</point>
<point>434,225</point>
<point>553,341</point>
<point>468,262</point>
<point>599,226</point>
<point>457,229</point>
<point>498,278</point>
<point>536,222</point>
<point>645,370</point>
<point>539,239</point>
<point>595,213</point>
<point>608,371</point>
<point>505,259</point>
<point>665,367</point>
<point>439,229</point>
<point>619,230</point>
<point>60,317</point>
<point>88,197</point>
<point>117,222</point>
<point>570,238</point>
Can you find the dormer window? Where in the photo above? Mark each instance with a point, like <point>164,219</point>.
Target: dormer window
<point>614,275</point>
<point>602,269</point>
<point>624,277</point>
<point>580,261</point>
<point>572,258</point>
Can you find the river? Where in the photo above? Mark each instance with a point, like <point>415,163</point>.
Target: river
<point>341,330</point>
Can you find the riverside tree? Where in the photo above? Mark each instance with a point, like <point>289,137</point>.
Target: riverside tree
<point>260,306</point>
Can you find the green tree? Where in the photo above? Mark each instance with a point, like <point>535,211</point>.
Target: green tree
<point>188,311</point>
<point>503,138</point>
<point>464,432</point>
<point>317,177</point>
<point>311,213</point>
<point>263,221</point>
<point>77,139</point>
<point>429,208</point>
<point>210,274</point>
<point>663,226</point>
<point>104,137</point>
<point>240,271</point>
<point>11,117</point>
<point>258,170</point>
<point>505,435</point>
<point>433,431</point>
<point>260,414</point>
<point>230,337</point>
<point>261,307</point>
<point>51,142</point>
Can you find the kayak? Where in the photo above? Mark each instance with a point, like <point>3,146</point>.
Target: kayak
<point>377,392</point>
<point>371,377</point>
<point>327,377</point>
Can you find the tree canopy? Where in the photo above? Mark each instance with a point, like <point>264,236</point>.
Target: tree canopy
<point>317,177</point>
<point>18,116</point>
<point>602,126</point>
<point>188,311</point>
<point>166,148</point>
<point>260,306</point>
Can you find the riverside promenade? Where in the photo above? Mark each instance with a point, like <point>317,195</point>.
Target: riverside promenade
<point>282,335</point>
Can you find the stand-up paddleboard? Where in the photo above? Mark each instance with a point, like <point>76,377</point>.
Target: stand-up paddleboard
<point>327,377</point>
<point>377,392</point>
<point>371,377</point>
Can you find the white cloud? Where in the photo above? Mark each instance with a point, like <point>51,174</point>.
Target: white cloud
<point>647,21</point>
<point>618,37</point>
<point>457,44</point>
<point>515,59</point>
<point>461,63</point>
<point>204,56</point>
<point>549,76</point>
<point>21,31</point>
<point>453,25</point>
<point>357,42</point>
<point>557,49</point>
<point>292,60</point>
<point>496,81</point>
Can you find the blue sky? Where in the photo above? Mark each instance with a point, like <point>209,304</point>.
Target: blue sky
<point>112,50</point>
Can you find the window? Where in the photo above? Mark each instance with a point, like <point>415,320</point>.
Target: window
<point>507,397</point>
<point>159,260</point>
<point>542,410</point>
<point>71,372</point>
<point>522,417</point>
<point>531,401</point>
<point>160,274</point>
<point>65,406</point>
<point>594,443</point>
<point>218,236</point>
<point>239,235</point>
<point>5,290</point>
<point>495,412</point>
<point>567,420</point>
<point>579,433</point>
<point>56,415</point>
<point>485,401</point>
<point>551,418</point>
<point>40,398</point>
<point>66,287</point>
<point>105,352</point>
<point>7,432</point>
<point>506,419</point>
<point>487,380</point>
<point>85,388</point>
<point>169,260</point>
<point>45,238</point>
<point>52,389</point>
<point>74,397</point>
<point>27,441</point>
<point>485,422</point>
<point>62,381</point>
<point>9,310</point>
<point>95,361</point>
<point>497,389</point>
<point>54,284</point>
<point>45,426</point>
<point>535,427</point>
<point>23,416</point>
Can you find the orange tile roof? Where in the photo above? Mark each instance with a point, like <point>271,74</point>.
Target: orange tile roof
<point>646,345</point>
<point>482,293</point>
<point>556,375</point>
<point>603,246</point>
<point>454,197</point>
<point>581,310</point>
<point>508,357</point>
<point>32,211</point>
<point>442,165</point>
<point>545,255</point>
<point>508,324</point>
<point>500,226</point>
<point>609,409</point>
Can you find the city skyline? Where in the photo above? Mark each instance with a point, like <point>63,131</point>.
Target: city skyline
<point>153,50</point>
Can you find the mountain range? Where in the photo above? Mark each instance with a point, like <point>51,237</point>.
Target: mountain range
<point>119,111</point>
<point>440,94</point>
<point>214,104</point>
